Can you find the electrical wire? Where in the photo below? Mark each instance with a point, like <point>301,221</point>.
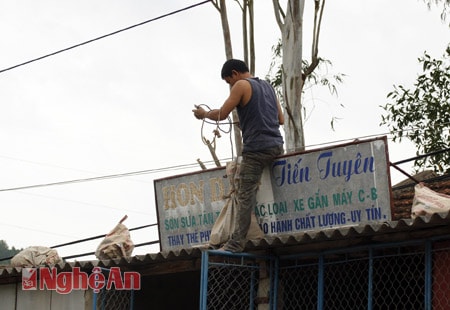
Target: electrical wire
<point>369,136</point>
<point>94,238</point>
<point>217,123</point>
<point>105,36</point>
<point>87,204</point>
<point>217,130</point>
<point>111,176</point>
<point>186,166</point>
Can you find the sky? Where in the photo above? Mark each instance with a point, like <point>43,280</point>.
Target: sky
<point>122,105</point>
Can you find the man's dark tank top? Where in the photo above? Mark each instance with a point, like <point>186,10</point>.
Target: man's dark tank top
<point>258,119</point>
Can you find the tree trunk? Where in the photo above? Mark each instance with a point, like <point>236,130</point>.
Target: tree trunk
<point>221,7</point>
<point>292,36</point>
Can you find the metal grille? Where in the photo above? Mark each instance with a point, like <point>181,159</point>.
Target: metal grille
<point>297,285</point>
<point>113,300</point>
<point>234,281</point>
<point>406,275</point>
<point>399,278</point>
<point>362,279</point>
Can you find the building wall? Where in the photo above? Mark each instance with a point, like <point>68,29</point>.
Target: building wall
<point>12,297</point>
<point>8,296</point>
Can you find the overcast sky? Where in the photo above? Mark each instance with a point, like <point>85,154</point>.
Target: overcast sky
<point>123,104</point>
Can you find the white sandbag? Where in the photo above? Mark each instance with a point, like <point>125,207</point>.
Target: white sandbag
<point>117,244</point>
<point>36,256</point>
<point>224,225</point>
<point>427,201</point>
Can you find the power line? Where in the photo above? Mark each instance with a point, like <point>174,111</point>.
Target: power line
<point>98,236</point>
<point>186,166</point>
<point>372,136</point>
<point>93,253</point>
<point>36,230</point>
<point>105,36</point>
<point>85,203</point>
<point>111,176</point>
<point>94,238</point>
<point>127,174</point>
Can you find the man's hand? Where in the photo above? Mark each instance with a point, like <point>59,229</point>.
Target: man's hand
<point>199,112</point>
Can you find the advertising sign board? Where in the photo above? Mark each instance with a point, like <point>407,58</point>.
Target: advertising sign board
<point>343,185</point>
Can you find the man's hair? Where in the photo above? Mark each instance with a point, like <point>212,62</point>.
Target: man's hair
<point>233,64</point>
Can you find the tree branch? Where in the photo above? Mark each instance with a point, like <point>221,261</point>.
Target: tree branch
<point>318,13</point>
<point>279,14</point>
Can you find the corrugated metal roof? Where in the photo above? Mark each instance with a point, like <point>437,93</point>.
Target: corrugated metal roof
<point>309,241</point>
<point>188,259</point>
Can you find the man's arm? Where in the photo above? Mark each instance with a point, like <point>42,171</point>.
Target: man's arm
<point>239,91</point>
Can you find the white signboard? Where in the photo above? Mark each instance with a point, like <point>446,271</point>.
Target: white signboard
<point>344,185</point>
